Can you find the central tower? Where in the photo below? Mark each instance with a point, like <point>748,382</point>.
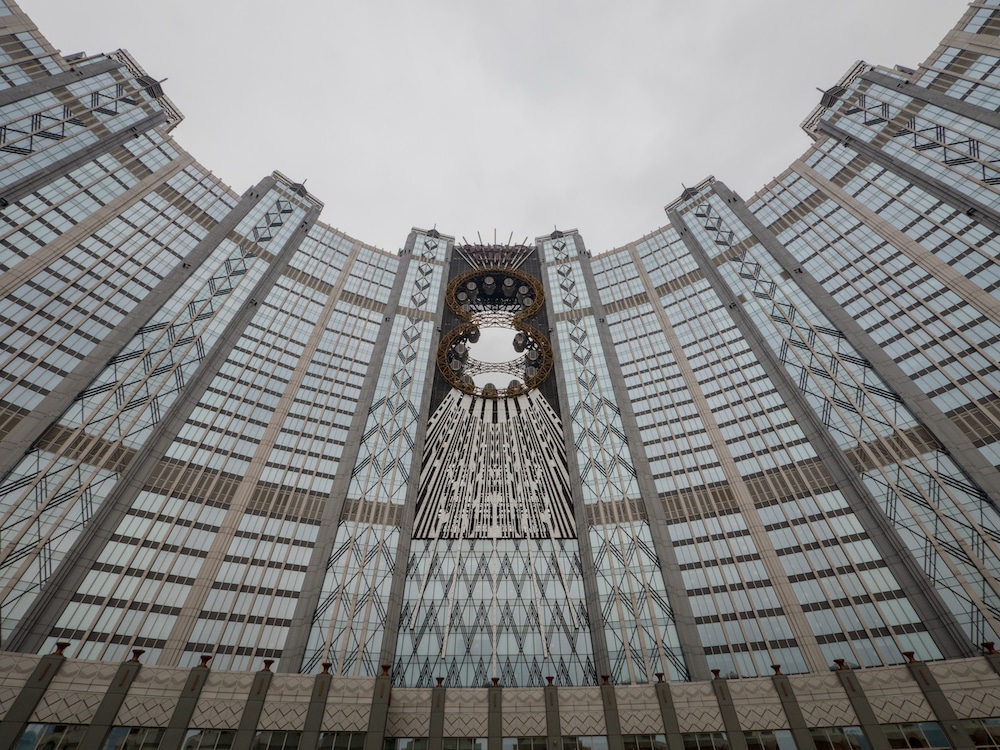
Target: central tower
<point>494,581</point>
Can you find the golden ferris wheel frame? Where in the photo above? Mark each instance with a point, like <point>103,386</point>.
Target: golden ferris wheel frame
<point>472,320</point>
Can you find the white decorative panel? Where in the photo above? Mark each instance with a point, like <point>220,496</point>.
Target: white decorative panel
<point>222,700</point>
<point>349,705</point>
<point>638,709</point>
<point>409,713</point>
<point>524,713</point>
<point>152,698</point>
<point>75,693</point>
<point>697,707</point>
<point>466,712</point>
<point>894,695</point>
<point>581,711</point>
<point>287,702</point>
<point>757,704</point>
<point>971,686</point>
<point>823,701</point>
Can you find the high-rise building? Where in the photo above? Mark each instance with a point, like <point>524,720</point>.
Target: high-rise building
<point>732,485</point>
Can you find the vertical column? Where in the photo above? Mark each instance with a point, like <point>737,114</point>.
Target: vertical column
<point>317,708</point>
<point>687,632</point>
<point>180,720</point>
<point>959,447</point>
<point>98,107</point>
<point>607,497</point>
<point>859,702</point>
<point>34,424</point>
<point>790,605</point>
<point>671,726</point>
<point>49,83</point>
<point>397,589</point>
<point>294,651</point>
<point>553,726</point>
<point>939,703</point>
<point>365,555</point>
<point>612,722</point>
<point>31,694</point>
<point>985,214</point>
<point>494,727</point>
<point>375,738</point>
<point>939,621</point>
<point>27,185</point>
<point>796,722</point>
<point>737,740</point>
<point>247,730</point>
<point>104,717</point>
<point>992,657</point>
<point>435,731</point>
<point>561,350</point>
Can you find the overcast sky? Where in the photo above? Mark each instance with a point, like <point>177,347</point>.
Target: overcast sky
<point>514,115</point>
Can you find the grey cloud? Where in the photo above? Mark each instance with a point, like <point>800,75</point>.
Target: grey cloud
<point>515,115</point>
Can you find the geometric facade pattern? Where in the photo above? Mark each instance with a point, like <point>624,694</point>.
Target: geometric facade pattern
<point>635,609</point>
<point>759,441</point>
<point>480,608</point>
<point>859,407</point>
<point>494,471</point>
<point>350,617</point>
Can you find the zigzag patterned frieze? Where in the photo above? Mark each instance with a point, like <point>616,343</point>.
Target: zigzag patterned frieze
<point>217,714</point>
<point>975,703</point>
<point>67,708</point>
<point>524,713</point>
<point>972,687</point>
<point>901,708</point>
<point>700,720</point>
<point>640,722</point>
<point>149,711</point>
<point>761,716</point>
<point>345,719</point>
<point>758,705</point>
<point>285,715</point>
<point>832,713</point>
<point>466,725</point>
<point>588,724</point>
<point>894,695</point>
<point>407,725</point>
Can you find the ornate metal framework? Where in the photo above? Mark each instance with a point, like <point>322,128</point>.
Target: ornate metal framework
<point>494,297</point>
<point>495,256</point>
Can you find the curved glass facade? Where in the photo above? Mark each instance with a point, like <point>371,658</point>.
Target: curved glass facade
<point>759,442</point>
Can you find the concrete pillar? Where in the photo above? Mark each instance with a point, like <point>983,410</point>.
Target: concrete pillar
<point>859,702</point>
<point>247,730</point>
<point>992,656</point>
<point>737,741</point>
<point>495,721</point>
<point>959,739</point>
<point>435,731</point>
<point>668,713</point>
<point>317,709</point>
<point>553,727</point>
<point>375,738</point>
<point>111,703</point>
<point>612,722</point>
<point>793,712</point>
<point>27,700</point>
<point>180,720</point>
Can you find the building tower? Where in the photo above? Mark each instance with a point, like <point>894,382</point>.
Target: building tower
<point>759,443</point>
